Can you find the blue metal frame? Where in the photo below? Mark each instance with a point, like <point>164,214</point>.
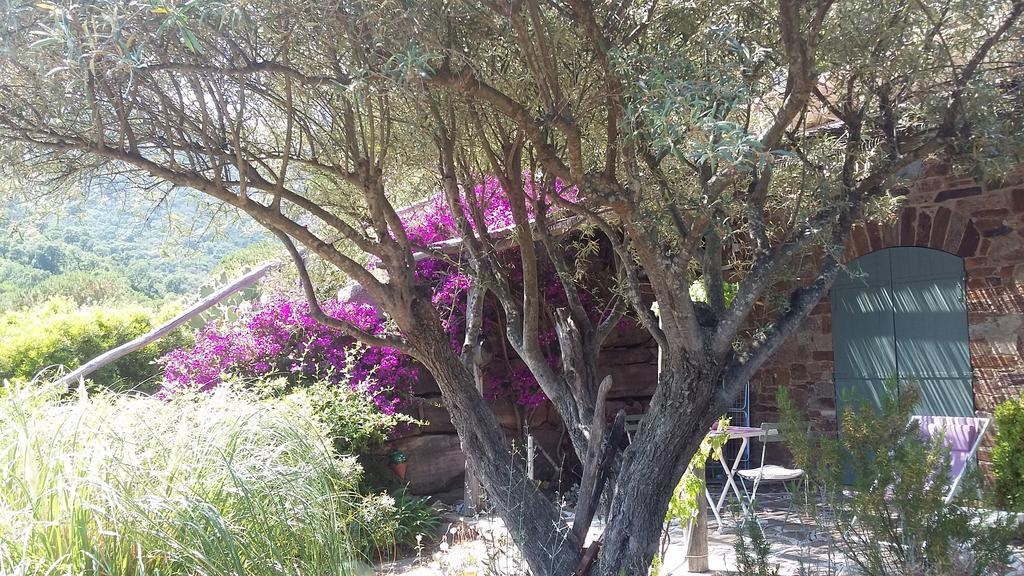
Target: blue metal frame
<point>739,415</point>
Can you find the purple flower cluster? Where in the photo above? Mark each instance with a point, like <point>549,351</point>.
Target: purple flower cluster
<point>433,222</point>
<point>279,337</point>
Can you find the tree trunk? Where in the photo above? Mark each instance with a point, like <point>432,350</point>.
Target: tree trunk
<point>678,419</point>
<point>473,493</point>
<point>652,467</point>
<point>533,521</point>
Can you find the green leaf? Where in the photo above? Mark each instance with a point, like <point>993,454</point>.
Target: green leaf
<point>190,39</point>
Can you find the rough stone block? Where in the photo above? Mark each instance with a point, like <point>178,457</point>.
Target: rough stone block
<point>823,355</point>
<point>798,371</point>
<point>968,245</point>
<point>435,462</point>
<point>874,231</point>
<point>908,217</point>
<point>1017,200</point>
<point>436,417</point>
<point>924,229</point>
<point>860,241</point>
<point>940,224</point>
<point>957,193</point>
<point>425,385</point>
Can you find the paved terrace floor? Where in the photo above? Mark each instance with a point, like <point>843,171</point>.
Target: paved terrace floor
<point>481,547</point>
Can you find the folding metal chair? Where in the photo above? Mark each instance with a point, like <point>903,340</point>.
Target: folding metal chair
<point>632,424</point>
<point>770,473</point>
<point>962,435</point>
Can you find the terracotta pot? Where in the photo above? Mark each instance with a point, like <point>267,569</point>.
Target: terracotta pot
<point>399,469</point>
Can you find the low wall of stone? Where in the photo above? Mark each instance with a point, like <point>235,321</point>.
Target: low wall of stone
<point>436,465</point>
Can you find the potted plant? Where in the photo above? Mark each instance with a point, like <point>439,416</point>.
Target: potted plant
<point>398,462</point>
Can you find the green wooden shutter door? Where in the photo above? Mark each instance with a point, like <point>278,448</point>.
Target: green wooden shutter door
<point>902,311</point>
<point>931,329</point>
<point>862,329</point>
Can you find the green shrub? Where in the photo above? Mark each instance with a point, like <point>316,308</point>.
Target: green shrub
<point>1008,454</point>
<point>753,551</point>
<point>217,484</point>
<point>60,333</point>
<point>894,520</point>
<point>414,520</point>
<point>15,278</point>
<point>350,418</point>
<point>357,426</point>
<point>83,287</point>
<point>235,263</point>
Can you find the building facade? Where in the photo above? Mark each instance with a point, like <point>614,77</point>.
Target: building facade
<point>947,274</point>
<point>934,294</point>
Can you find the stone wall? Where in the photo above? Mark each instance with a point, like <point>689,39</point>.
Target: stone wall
<point>982,224</point>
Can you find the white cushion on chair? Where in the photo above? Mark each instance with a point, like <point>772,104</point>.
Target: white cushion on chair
<point>770,472</point>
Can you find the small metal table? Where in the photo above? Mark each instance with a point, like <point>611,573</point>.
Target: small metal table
<point>744,434</point>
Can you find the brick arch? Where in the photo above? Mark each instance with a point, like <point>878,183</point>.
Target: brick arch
<point>935,227</point>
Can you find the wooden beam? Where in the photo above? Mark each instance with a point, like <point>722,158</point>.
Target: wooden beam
<point>697,548</point>
<point>152,336</point>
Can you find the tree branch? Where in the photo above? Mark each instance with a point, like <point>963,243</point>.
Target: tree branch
<point>317,312</point>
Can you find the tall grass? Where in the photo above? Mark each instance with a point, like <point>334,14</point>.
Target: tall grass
<point>213,485</point>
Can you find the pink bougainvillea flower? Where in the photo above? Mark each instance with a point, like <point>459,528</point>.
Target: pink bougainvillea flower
<point>278,336</point>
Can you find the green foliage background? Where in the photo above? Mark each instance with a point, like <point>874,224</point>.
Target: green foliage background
<point>60,332</point>
<point>101,250</point>
<point>1008,454</point>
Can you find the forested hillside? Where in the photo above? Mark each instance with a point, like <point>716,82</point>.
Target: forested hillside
<point>102,250</point>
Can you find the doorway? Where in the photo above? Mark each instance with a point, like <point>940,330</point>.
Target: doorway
<point>902,312</point>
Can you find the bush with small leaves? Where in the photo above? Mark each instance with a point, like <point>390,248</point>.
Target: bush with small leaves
<point>59,332</point>
<point>1008,454</point>
<point>893,519</point>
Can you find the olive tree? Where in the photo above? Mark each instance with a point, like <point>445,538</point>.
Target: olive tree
<point>728,143</point>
